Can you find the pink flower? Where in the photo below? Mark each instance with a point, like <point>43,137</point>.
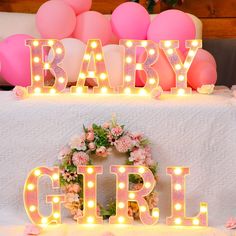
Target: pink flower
<point>72,197</point>
<point>20,92</point>
<point>64,152</point>
<point>90,136</point>
<point>123,144</point>
<point>78,214</point>
<point>78,142</point>
<point>73,188</point>
<point>138,156</point>
<point>137,187</point>
<point>102,152</point>
<point>92,146</point>
<point>117,131</point>
<point>80,158</point>
<point>106,125</point>
<point>231,223</point>
<point>152,200</point>
<point>32,230</point>
<point>130,211</point>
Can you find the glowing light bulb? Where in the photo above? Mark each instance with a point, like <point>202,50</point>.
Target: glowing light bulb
<point>152,81</point>
<point>37,90</point>
<point>196,222</point>
<point>52,91</point>
<point>127,90</point>
<point>82,76</point>
<point>131,195</point>
<point>178,207</point>
<point>59,50</point>
<point>127,78</point>
<point>203,209</point>
<point>32,208</point>
<point>91,74</point>
<point>151,52</point>
<point>36,43</point>
<point>90,170</point>
<point>55,176</point>
<point>144,44</point>
<point>90,204</point>
<point>46,66</point>
<point>186,65</point>
<point>36,59</point>
<point>142,92</point>
<point>181,92</point>
<point>56,199</point>
<point>121,185</point>
<point>86,57</point>
<point>30,187</point>
<point>155,213</point>
<point>56,215</point>
<point>129,44</point>
<point>181,78</point>
<point>99,57</point>
<point>141,170</point>
<point>170,51</point>
<point>61,80</point>
<point>177,66</point>
<point>178,221</point>
<point>90,184</point>
<point>122,169</point>
<point>44,221</point>
<point>104,90</point>
<point>121,205</point>
<point>79,90</point>
<point>90,220</point>
<point>103,76</point>
<point>178,171</point>
<point>37,78</point>
<point>37,172</point>
<point>178,187</point>
<point>128,59</point>
<point>50,43</point>
<point>195,43</point>
<point>139,66</point>
<point>167,44</point>
<point>147,185</point>
<point>121,219</point>
<point>191,53</point>
<point>94,44</point>
<point>142,208</point>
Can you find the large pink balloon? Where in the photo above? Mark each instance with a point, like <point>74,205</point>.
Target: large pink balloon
<point>79,6</point>
<point>203,55</point>
<point>93,25</point>
<point>167,77</point>
<point>130,20</point>
<point>15,60</point>
<point>55,19</point>
<point>172,25</point>
<point>202,73</point>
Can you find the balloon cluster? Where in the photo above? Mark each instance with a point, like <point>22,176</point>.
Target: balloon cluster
<point>72,22</point>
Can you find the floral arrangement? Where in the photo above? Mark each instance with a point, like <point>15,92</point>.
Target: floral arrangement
<point>98,141</point>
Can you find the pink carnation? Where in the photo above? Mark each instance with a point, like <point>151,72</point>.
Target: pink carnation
<point>90,136</point>
<point>138,156</point>
<point>101,152</point>
<point>64,152</point>
<point>123,144</point>
<point>117,131</point>
<point>80,158</point>
<point>20,92</point>
<point>32,230</point>
<point>231,223</point>
<point>92,146</point>
<point>78,142</point>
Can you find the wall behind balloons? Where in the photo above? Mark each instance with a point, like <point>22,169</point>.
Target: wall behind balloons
<point>218,17</point>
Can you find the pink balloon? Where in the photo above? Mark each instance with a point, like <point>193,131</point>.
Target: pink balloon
<point>93,25</point>
<point>130,20</point>
<point>167,77</point>
<point>203,55</point>
<point>172,25</point>
<point>15,60</point>
<point>202,73</point>
<point>55,19</point>
<point>79,6</point>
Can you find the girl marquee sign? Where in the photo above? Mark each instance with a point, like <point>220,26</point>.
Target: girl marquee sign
<point>94,52</point>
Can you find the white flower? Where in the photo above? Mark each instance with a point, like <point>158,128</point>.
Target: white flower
<point>78,142</point>
<point>206,89</point>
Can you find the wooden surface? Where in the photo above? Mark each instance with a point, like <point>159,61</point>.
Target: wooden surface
<point>218,16</point>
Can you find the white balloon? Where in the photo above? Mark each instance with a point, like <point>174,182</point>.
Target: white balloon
<point>113,55</point>
<point>74,54</point>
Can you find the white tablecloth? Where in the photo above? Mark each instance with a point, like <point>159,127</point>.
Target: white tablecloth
<point>198,131</point>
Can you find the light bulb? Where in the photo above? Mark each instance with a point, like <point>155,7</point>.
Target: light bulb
<point>37,172</point>
<point>94,44</point>
<point>141,170</point>
<point>61,80</point>
<point>32,208</point>
<point>90,170</point>
<point>36,59</point>
<point>147,185</point>
<point>152,81</point>
<point>127,78</point>
<point>121,185</point>
<point>44,220</point>
<point>129,44</point>
<point>90,184</point>
<point>50,43</point>
<point>167,44</point>
<point>55,176</point>
<point>142,208</point>
<point>122,169</point>
<point>127,90</point>
<point>196,221</point>
<point>56,215</point>
<point>178,187</point>
<point>90,220</point>
<point>99,57</point>
<point>104,90</point>
<point>121,219</point>
<point>121,205</point>
<point>103,76</point>
<point>37,90</point>
<point>178,221</point>
<point>131,195</point>
<point>56,199</point>
<point>36,43</point>
<point>36,77</point>
<point>181,78</point>
<point>79,90</point>
<point>178,171</point>
<point>86,57</point>
<point>178,207</point>
<point>30,187</point>
<point>151,52</point>
<point>177,66</point>
<point>155,213</point>
<point>59,50</point>
<point>90,204</point>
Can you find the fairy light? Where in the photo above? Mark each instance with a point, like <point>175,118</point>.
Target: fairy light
<point>181,92</point>
<point>37,90</point>
<point>37,77</point>
<point>79,90</point>
<point>122,169</point>
<point>196,222</point>
<point>36,59</point>
<point>177,66</point>
<point>155,213</point>
<point>147,185</point>
<point>203,209</point>
<point>90,220</point>
<point>32,208</point>
<point>121,219</point>
<point>139,66</point>
<point>144,44</point>
<point>90,184</point>
<point>36,43</point>
<point>46,66</point>
<point>82,76</point>
<point>37,172</point>
<point>152,81</point>
<point>151,52</point>
<point>55,176</point>
<point>127,78</point>
<point>94,44</point>
<point>178,221</point>
<point>121,205</point>
<point>181,78</point>
<point>56,215</point>
<point>131,195</point>
<point>178,187</point>
<point>128,59</point>
<point>142,208</point>
<point>90,170</point>
<point>59,50</point>
<point>103,76</point>
<point>56,199</point>
<point>141,170</point>
<point>44,221</point>
<point>91,74</point>
<point>191,53</point>
<point>195,43</point>
<point>142,92</point>
<point>178,171</point>
<point>170,51</point>
<point>127,91</point>
<point>99,57</point>
<point>121,185</point>
<point>52,91</point>
<point>104,90</point>
<point>129,44</point>
<point>87,57</point>
<point>61,80</point>
<point>30,187</point>
<point>178,207</point>
<point>167,44</point>
<point>90,204</point>
<point>50,43</point>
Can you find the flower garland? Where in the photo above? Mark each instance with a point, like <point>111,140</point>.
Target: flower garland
<point>97,141</point>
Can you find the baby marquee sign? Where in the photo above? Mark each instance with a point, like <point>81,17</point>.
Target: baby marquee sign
<point>94,52</point>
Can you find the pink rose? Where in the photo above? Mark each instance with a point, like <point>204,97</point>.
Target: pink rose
<point>20,92</point>
<point>32,230</point>
<point>92,146</point>
<point>80,158</point>
<point>64,152</point>
<point>106,125</point>
<point>101,152</point>
<point>231,223</point>
<point>117,131</point>
<point>90,136</point>
<point>78,142</point>
<point>123,144</point>
<point>138,156</point>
